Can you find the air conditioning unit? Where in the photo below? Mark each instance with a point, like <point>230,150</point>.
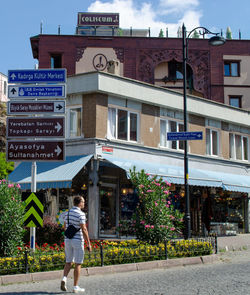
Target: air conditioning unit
<point>113,67</point>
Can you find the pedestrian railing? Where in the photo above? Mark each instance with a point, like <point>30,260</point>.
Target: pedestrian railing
<point>116,252</point>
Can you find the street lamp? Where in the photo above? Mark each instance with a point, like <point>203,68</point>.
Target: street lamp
<point>216,40</point>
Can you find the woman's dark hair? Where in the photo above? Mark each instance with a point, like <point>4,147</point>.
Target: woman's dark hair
<point>77,200</point>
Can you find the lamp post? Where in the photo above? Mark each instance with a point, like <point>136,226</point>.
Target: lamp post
<point>216,40</point>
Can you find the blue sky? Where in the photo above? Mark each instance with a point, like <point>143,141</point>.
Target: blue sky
<point>19,20</point>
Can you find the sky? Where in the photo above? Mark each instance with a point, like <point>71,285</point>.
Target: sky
<point>20,20</point>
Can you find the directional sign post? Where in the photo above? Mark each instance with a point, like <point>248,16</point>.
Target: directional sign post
<point>36,91</point>
<point>36,127</point>
<point>37,76</point>
<point>36,150</point>
<point>35,85</point>
<point>34,209</point>
<point>197,135</point>
<point>36,107</point>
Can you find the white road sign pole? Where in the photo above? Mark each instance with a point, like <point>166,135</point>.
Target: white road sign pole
<point>33,190</point>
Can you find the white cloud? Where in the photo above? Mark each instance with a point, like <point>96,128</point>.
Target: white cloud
<point>148,16</point>
<point>177,6</point>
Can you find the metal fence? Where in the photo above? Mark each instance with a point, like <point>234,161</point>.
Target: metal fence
<point>117,252</point>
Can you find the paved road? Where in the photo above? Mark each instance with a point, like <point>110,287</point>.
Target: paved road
<point>228,277</point>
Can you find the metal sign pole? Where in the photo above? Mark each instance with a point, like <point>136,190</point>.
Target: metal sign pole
<point>33,190</point>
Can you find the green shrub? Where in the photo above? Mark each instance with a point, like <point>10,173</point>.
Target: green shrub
<point>11,218</point>
<point>155,218</point>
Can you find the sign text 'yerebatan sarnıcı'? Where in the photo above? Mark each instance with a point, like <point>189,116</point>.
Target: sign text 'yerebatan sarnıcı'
<point>35,127</point>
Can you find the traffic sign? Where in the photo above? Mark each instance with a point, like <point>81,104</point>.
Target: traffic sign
<point>37,76</point>
<point>34,209</point>
<point>36,107</point>
<point>36,91</point>
<point>197,135</point>
<point>48,150</point>
<point>35,127</point>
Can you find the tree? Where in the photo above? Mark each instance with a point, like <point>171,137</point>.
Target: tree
<point>161,34</point>
<point>155,219</point>
<point>5,167</point>
<point>229,33</point>
<point>11,218</point>
<point>196,35</point>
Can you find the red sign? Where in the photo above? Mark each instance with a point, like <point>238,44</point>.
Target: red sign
<point>107,150</point>
<point>35,127</point>
<point>35,151</point>
<point>98,19</point>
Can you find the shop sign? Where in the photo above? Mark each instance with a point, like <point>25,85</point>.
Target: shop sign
<point>98,19</point>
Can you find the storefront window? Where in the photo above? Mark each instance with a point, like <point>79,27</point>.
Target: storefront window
<point>228,214</point>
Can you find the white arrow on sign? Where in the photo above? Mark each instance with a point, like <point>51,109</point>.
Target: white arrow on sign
<point>13,76</point>
<point>58,150</point>
<point>58,126</point>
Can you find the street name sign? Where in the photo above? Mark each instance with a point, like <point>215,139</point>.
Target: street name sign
<point>48,150</point>
<point>36,107</point>
<point>37,76</point>
<point>36,127</point>
<point>36,91</point>
<point>197,135</point>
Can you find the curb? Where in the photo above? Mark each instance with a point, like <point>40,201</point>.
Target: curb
<point>109,269</point>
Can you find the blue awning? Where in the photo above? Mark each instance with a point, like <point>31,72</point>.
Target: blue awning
<point>233,182</point>
<point>50,174</point>
<point>173,174</point>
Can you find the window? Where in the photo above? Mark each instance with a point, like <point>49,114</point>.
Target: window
<point>235,101</point>
<point>238,147</point>
<point>75,122</point>
<point>231,69</point>
<point>171,126</point>
<point>212,142</point>
<point>175,70</point>
<point>122,124</point>
<point>56,61</point>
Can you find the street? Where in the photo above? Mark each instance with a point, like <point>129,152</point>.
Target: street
<point>229,276</point>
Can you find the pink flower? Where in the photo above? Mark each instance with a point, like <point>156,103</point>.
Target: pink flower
<point>169,202</point>
<point>166,192</point>
<point>149,191</point>
<point>147,226</point>
<point>11,185</point>
<point>172,228</point>
<point>141,186</point>
<point>142,222</point>
<point>158,184</point>
<point>18,185</point>
<point>156,204</point>
<point>152,226</point>
<point>167,183</point>
<point>167,206</point>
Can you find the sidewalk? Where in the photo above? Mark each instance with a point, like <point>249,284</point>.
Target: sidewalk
<point>234,242</point>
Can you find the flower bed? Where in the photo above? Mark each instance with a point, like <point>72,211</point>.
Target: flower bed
<point>52,257</point>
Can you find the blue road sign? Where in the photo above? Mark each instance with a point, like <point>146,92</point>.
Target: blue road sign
<point>197,135</point>
<point>37,76</point>
<point>36,91</point>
